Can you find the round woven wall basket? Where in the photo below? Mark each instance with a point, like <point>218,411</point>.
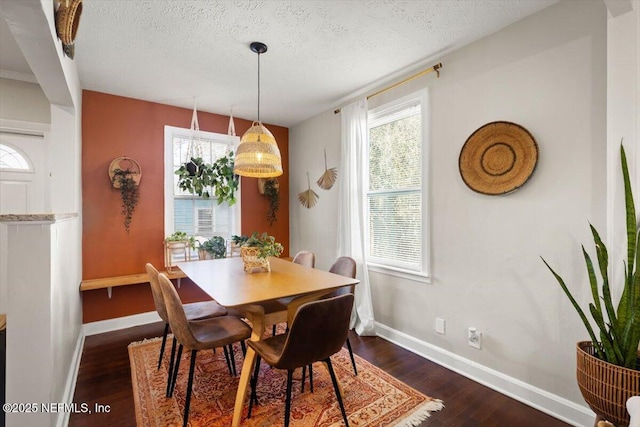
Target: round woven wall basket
<point>127,164</point>
<point>604,386</point>
<point>498,158</point>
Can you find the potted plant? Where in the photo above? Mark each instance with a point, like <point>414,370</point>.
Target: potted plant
<point>609,364</point>
<point>178,247</point>
<point>210,179</point>
<point>236,243</point>
<point>272,193</point>
<point>256,250</point>
<point>214,248</point>
<point>129,191</point>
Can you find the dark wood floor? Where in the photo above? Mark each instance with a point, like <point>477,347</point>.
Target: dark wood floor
<point>105,378</point>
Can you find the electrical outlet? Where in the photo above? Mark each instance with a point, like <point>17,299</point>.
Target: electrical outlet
<point>474,338</point>
<point>440,325</point>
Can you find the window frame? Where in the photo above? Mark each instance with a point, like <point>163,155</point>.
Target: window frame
<point>169,133</point>
<point>23,156</point>
<point>377,116</point>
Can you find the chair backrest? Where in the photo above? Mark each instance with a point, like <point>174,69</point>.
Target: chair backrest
<point>344,266</point>
<point>318,330</point>
<point>158,299</point>
<point>306,258</point>
<point>177,317</point>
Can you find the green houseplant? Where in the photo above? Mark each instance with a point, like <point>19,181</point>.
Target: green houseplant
<point>177,247</point>
<point>215,247</point>
<point>181,237</point>
<point>272,193</point>
<point>614,348</point>
<point>256,250</point>
<point>198,177</point>
<point>129,191</point>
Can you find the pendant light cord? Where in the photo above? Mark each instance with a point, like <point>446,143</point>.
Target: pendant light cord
<point>258,87</point>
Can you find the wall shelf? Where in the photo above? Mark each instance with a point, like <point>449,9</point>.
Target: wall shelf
<point>131,279</point>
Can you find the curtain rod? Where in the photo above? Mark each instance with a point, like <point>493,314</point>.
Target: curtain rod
<point>435,68</point>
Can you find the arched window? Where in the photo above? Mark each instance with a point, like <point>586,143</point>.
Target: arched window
<point>12,160</point>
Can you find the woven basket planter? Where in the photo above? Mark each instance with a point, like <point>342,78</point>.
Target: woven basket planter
<point>604,386</point>
<point>251,261</point>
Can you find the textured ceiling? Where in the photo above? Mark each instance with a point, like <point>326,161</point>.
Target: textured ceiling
<point>320,52</point>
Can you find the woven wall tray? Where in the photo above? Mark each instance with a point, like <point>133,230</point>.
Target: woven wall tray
<point>498,158</point>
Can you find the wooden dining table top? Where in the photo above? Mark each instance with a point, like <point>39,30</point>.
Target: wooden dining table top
<point>226,281</point>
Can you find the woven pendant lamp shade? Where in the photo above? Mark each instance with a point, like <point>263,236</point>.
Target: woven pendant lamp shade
<point>258,155</point>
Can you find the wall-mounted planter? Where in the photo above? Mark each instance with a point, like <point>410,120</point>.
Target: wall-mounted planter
<point>125,174</point>
<point>128,166</point>
<point>270,188</point>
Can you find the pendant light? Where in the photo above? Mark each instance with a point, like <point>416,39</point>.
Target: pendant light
<point>258,155</point>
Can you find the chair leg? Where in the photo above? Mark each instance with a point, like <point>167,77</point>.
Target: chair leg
<point>353,360</point>
<point>170,373</point>
<point>254,383</point>
<point>337,389</point>
<point>273,330</point>
<point>304,375</point>
<point>187,403</point>
<point>228,359</point>
<point>311,377</point>
<point>175,371</point>
<point>233,360</point>
<point>244,348</point>
<point>287,404</point>
<point>164,342</point>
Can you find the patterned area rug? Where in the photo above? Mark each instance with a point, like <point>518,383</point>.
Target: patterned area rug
<point>372,398</point>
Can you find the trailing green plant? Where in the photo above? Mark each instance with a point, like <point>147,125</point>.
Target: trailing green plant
<point>239,240</point>
<point>267,245</point>
<point>619,329</point>
<point>215,246</point>
<point>181,236</point>
<point>210,179</point>
<point>129,191</point>
<point>272,193</point>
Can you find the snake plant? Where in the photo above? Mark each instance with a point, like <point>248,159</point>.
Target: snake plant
<point>619,328</point>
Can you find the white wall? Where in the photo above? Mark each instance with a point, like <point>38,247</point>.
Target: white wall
<point>547,73</point>
<point>23,104</point>
<point>32,24</point>
<point>23,101</point>
<point>623,124</point>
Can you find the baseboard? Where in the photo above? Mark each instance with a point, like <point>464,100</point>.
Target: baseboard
<point>109,325</point>
<point>70,387</point>
<point>556,406</point>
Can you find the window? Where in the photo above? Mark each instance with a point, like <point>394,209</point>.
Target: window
<point>204,222</point>
<point>11,160</point>
<point>395,184</point>
<point>187,212</point>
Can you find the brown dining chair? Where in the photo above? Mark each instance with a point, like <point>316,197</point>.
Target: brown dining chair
<point>193,311</point>
<point>318,331</point>
<point>344,266</point>
<point>198,335</point>
<point>304,258</point>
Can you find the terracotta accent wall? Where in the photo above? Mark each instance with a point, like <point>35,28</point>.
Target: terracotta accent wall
<point>114,126</point>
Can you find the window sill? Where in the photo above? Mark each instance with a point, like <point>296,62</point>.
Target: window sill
<point>398,272</point>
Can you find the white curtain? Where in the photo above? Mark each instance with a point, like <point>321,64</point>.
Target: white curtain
<point>351,226</point>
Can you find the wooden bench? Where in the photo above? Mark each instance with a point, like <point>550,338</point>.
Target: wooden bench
<point>131,279</point>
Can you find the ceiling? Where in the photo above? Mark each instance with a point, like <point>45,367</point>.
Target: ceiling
<point>320,53</point>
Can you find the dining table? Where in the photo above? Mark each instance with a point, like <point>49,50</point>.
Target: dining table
<point>226,281</point>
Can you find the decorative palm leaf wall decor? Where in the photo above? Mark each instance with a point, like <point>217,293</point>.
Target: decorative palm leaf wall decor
<point>329,176</point>
<point>308,198</point>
